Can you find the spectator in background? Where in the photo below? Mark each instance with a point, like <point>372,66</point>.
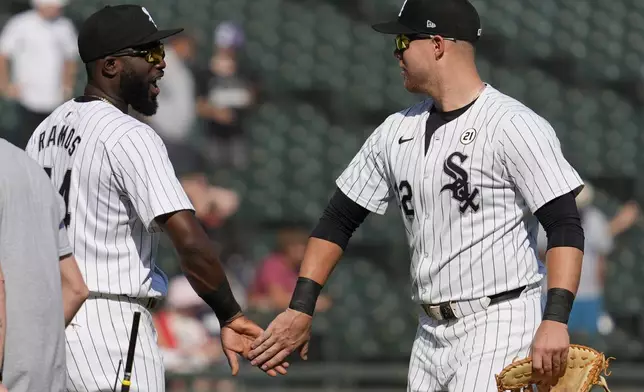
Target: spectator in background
<point>176,116</point>
<point>599,239</point>
<point>277,274</point>
<point>37,63</point>
<point>225,94</point>
<point>213,204</point>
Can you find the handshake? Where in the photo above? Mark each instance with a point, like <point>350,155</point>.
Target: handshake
<point>266,349</point>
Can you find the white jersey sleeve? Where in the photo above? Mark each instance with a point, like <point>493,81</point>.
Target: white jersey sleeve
<point>144,173</point>
<point>533,160</point>
<point>365,180</point>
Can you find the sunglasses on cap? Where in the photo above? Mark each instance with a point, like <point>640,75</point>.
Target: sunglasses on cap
<point>153,55</point>
<point>403,40</point>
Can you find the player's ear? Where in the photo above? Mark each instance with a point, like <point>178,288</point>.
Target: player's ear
<point>111,67</point>
<point>439,46</point>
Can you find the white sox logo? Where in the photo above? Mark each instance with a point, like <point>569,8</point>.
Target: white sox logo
<point>460,188</point>
<point>145,11</point>
<point>402,8</point>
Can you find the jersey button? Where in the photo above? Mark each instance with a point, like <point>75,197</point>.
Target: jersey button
<point>426,254</point>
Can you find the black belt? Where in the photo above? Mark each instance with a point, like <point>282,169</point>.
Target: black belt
<point>150,303</point>
<point>448,314</point>
<point>500,297</point>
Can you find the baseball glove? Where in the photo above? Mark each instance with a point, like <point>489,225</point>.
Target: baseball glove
<point>582,373</point>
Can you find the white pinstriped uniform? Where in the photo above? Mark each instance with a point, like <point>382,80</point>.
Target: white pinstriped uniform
<point>467,204</point>
<point>116,175</point>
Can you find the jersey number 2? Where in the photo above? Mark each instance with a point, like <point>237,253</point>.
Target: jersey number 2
<point>64,191</point>
<point>405,200</point>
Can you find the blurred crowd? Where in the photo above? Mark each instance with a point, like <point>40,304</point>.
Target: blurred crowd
<point>589,316</point>
<point>210,103</point>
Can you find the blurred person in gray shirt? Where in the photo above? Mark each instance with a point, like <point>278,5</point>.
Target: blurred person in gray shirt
<point>41,287</point>
<point>177,113</point>
<point>600,233</point>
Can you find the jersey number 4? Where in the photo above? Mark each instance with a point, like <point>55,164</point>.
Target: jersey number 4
<point>405,199</point>
<point>64,191</point>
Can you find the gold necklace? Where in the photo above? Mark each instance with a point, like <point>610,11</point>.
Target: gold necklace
<point>101,98</point>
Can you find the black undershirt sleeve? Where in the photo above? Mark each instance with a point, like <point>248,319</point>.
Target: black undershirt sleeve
<point>340,219</point>
<point>559,218</point>
<point>561,222</point>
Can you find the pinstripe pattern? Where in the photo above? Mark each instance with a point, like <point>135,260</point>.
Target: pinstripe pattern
<point>443,359</point>
<point>462,251</point>
<point>452,252</point>
<point>84,365</point>
<point>121,180</point>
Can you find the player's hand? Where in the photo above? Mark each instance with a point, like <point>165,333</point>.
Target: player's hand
<point>3,388</point>
<point>237,337</point>
<point>550,350</point>
<point>289,331</point>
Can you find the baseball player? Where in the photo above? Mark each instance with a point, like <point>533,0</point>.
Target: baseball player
<point>473,172</point>
<point>121,192</point>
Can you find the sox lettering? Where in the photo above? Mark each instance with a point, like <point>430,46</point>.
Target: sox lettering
<point>460,187</point>
<point>115,176</point>
<point>502,162</point>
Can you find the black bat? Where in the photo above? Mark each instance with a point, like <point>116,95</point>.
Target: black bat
<point>125,384</point>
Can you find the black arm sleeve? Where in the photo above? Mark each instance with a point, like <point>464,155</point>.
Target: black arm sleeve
<point>339,220</point>
<point>560,219</point>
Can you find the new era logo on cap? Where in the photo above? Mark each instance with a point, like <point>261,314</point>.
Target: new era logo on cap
<point>430,24</point>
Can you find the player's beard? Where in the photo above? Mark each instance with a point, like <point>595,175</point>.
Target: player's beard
<point>136,92</point>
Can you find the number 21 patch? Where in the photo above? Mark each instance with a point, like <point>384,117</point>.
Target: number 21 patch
<point>468,136</point>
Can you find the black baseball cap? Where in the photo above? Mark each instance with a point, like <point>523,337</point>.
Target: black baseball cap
<point>456,19</point>
<point>115,28</point>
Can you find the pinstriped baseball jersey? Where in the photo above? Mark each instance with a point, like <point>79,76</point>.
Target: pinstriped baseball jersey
<point>115,176</point>
<point>467,200</point>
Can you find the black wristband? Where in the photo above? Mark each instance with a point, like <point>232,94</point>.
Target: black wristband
<point>558,305</point>
<point>305,296</point>
<point>223,303</point>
